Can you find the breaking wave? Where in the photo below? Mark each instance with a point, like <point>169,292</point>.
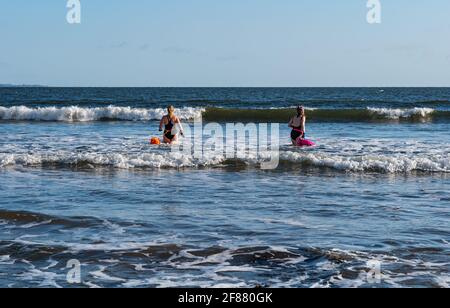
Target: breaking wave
<point>288,159</point>
<point>79,114</point>
<point>325,115</point>
<point>402,113</point>
<point>116,113</point>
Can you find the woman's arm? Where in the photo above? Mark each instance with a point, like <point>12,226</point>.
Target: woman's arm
<point>291,123</point>
<point>304,124</point>
<point>178,121</point>
<point>161,123</point>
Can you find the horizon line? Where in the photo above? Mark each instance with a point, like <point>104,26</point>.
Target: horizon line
<point>211,87</point>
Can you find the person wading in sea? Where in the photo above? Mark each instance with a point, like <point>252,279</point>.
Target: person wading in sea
<point>168,122</point>
<point>298,125</point>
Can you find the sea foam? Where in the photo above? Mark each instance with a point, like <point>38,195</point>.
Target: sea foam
<point>365,163</point>
<point>79,114</point>
<point>117,113</point>
<point>402,113</point>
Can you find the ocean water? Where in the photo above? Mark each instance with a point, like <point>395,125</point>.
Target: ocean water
<point>79,181</point>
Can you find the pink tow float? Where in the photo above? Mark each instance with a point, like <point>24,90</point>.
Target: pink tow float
<point>305,143</point>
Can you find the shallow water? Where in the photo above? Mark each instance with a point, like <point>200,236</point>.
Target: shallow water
<point>362,147</point>
<point>135,215</point>
<point>218,228</point>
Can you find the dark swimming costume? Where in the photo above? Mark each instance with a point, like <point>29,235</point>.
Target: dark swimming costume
<point>168,129</point>
<point>297,132</point>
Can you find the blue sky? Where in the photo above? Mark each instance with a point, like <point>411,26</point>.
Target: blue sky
<point>225,43</point>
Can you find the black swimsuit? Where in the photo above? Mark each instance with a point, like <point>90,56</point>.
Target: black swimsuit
<point>168,129</point>
<point>297,132</point>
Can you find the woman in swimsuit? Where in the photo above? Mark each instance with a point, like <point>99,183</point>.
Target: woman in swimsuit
<point>298,125</point>
<point>168,122</point>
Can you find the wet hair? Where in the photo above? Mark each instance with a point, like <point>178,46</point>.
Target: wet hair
<point>170,110</point>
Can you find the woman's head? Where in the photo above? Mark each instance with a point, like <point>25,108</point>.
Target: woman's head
<point>170,109</point>
<point>301,110</point>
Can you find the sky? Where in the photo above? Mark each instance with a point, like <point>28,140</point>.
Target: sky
<point>217,43</point>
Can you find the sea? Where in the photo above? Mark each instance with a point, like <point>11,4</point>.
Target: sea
<point>86,200</point>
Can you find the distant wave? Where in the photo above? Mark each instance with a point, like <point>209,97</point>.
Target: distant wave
<point>79,114</point>
<point>325,115</point>
<point>288,159</point>
<point>402,113</point>
<point>116,113</point>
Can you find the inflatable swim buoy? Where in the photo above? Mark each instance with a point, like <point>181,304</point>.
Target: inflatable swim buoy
<point>155,141</point>
<point>305,143</point>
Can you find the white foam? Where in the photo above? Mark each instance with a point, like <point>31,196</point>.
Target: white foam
<point>134,283</point>
<point>45,279</point>
<point>51,265</point>
<point>77,247</point>
<point>395,163</point>
<point>402,113</point>
<point>443,281</point>
<point>354,155</point>
<point>290,222</point>
<point>6,260</point>
<point>116,229</point>
<point>372,162</point>
<point>116,160</point>
<point>92,285</point>
<point>100,274</point>
<point>243,269</point>
<point>36,224</point>
<point>79,114</point>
